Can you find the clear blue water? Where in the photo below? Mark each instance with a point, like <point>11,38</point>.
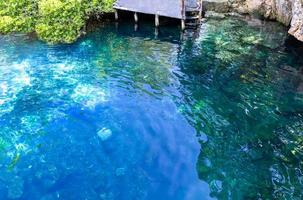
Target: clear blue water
<point>129,115</point>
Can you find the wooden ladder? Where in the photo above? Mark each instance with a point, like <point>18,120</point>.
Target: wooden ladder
<point>191,16</point>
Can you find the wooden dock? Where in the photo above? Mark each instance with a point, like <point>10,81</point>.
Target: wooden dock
<point>188,11</point>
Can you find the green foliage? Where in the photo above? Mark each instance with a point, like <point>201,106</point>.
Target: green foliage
<point>55,21</point>
<point>17,15</point>
<point>107,5</point>
<point>99,6</point>
<point>18,8</point>
<point>60,22</point>
<point>6,24</point>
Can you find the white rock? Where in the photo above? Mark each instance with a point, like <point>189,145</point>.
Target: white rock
<point>104,134</point>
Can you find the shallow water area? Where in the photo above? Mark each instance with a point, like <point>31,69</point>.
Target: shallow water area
<point>124,114</point>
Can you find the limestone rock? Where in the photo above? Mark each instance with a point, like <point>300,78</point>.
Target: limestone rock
<point>288,12</point>
<point>283,11</point>
<point>218,6</point>
<point>297,20</point>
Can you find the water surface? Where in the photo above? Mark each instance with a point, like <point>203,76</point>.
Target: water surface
<point>215,114</point>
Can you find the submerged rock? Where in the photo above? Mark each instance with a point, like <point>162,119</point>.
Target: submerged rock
<point>104,134</point>
<point>212,14</point>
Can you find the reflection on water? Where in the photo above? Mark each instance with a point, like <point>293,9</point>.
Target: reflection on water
<point>246,100</point>
<point>127,115</point>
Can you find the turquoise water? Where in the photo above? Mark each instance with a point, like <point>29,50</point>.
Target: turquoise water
<point>121,114</point>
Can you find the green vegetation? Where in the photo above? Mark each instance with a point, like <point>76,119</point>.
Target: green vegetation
<point>17,15</point>
<point>54,21</point>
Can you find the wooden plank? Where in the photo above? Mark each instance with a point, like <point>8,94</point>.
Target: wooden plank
<point>167,8</point>
<point>116,15</point>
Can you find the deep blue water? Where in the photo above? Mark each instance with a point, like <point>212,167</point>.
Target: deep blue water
<point>121,114</point>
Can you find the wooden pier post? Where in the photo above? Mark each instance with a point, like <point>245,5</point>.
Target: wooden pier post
<point>200,11</point>
<point>156,32</point>
<point>183,15</point>
<point>136,17</point>
<point>116,15</point>
<point>183,24</point>
<point>157,21</point>
<point>116,25</point>
<point>136,27</point>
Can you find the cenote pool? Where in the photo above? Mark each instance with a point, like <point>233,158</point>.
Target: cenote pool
<point>121,114</point>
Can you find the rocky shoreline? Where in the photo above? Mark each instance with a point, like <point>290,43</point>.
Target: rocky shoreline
<point>288,12</point>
